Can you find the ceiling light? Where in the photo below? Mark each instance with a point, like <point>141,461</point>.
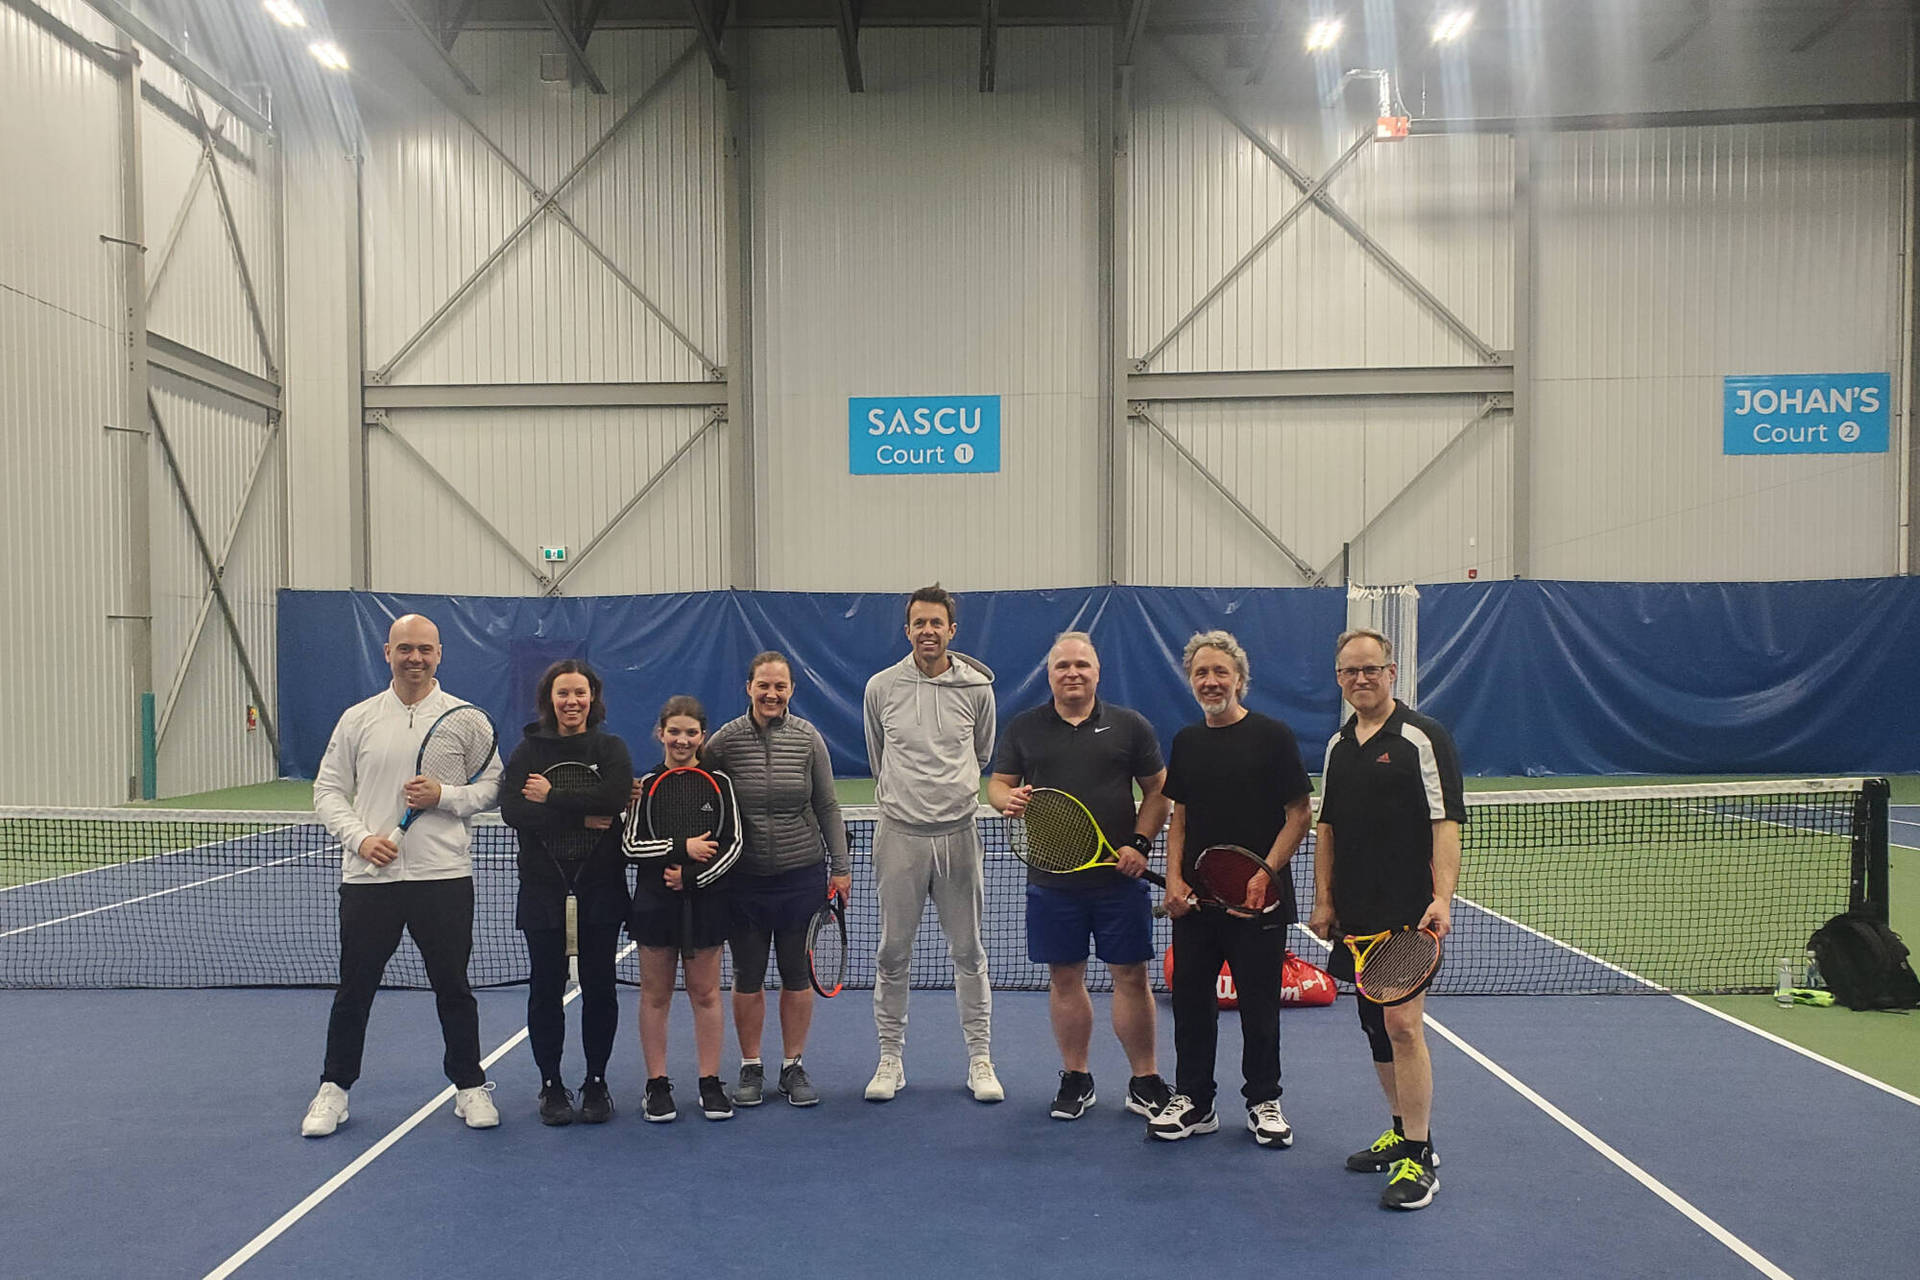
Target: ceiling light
<point>285,12</point>
<point>328,54</point>
<point>1451,25</point>
<point>1323,35</point>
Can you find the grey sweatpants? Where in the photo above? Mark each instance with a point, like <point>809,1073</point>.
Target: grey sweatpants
<point>907,866</point>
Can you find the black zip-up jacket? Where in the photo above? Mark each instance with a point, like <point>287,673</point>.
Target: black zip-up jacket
<point>602,886</point>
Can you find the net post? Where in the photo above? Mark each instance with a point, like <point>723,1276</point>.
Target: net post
<point>1870,848</point>
<point>149,749</point>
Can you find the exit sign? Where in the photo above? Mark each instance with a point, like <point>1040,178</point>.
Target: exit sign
<point>553,553</point>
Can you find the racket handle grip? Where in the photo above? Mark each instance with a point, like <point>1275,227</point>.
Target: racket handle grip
<point>1154,877</point>
<point>393,836</point>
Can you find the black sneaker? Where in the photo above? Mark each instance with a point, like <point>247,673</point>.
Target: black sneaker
<point>1075,1096</point>
<point>1183,1118</point>
<point>714,1102</point>
<point>798,1089</point>
<point>1148,1096</point>
<point>596,1104</point>
<point>1411,1187</point>
<point>659,1107</point>
<point>556,1104</point>
<point>1386,1152</point>
<point>752,1089</point>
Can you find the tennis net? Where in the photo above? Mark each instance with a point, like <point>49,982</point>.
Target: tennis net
<point>1609,889</point>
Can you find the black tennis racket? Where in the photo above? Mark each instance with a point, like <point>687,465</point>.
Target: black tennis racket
<point>1395,966</point>
<point>1057,833</point>
<point>572,844</point>
<point>1237,881</point>
<point>681,804</point>
<point>827,947</point>
<point>457,749</point>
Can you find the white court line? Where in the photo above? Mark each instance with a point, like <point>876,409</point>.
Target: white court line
<point>158,893</point>
<point>1741,1249</point>
<point>331,844</point>
<point>367,1157</point>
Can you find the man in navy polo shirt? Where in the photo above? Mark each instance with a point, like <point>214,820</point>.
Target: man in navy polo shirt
<point>1387,854</point>
<point>1096,752</point>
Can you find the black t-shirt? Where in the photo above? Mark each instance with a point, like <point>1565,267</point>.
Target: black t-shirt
<point>1095,761</point>
<point>1382,797</point>
<point>1236,782</point>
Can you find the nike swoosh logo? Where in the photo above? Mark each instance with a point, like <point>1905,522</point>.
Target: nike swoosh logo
<point>1103,728</point>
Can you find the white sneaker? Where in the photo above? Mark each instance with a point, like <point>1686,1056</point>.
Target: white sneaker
<point>476,1106</point>
<point>889,1078</point>
<point>1268,1125</point>
<point>327,1111</point>
<point>985,1084</point>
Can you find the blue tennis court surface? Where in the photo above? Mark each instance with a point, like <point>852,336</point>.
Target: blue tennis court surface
<point>167,1123</point>
<point>1903,825</point>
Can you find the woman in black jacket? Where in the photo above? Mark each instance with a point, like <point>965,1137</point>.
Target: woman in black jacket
<point>545,816</point>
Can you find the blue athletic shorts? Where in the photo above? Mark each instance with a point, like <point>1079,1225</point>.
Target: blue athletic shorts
<point>1118,919</point>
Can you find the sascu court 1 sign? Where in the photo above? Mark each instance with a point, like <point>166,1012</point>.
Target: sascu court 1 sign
<point>923,435</point>
<point>1806,413</point>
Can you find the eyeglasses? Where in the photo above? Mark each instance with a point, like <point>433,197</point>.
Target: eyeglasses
<point>1354,673</point>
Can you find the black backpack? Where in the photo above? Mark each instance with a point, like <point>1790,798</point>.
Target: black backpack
<point>1864,963</point>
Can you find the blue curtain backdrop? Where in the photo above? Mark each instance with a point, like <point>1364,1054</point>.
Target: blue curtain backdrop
<point>1532,677</point>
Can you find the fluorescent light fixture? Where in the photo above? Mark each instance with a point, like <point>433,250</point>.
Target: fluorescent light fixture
<point>1451,25</point>
<point>328,54</point>
<point>285,12</point>
<point>1323,35</point>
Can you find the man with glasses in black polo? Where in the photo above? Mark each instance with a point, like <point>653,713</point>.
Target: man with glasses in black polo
<point>1387,854</point>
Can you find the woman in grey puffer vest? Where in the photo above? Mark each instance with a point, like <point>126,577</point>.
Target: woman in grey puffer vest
<point>783,778</point>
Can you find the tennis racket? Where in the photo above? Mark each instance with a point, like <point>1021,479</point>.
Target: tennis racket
<point>570,846</point>
<point>681,804</point>
<point>827,947</point>
<point>1229,878</point>
<point>1057,833</point>
<point>457,749</point>
<point>1395,966</point>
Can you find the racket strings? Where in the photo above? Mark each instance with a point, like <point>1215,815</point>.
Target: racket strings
<point>572,780</point>
<point>1059,834</point>
<point>1225,875</point>
<point>458,747</point>
<point>683,806</point>
<point>1398,964</point>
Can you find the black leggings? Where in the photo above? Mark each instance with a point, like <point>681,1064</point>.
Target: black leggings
<point>547,989</point>
<point>749,945</point>
<point>1202,941</point>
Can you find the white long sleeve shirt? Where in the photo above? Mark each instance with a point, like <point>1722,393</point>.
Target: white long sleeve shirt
<point>358,791</point>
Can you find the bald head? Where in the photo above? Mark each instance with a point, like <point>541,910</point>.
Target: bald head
<point>413,651</point>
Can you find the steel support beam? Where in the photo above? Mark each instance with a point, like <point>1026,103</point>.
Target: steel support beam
<point>442,51</point>
<point>1289,384</point>
<point>212,568</point>
<point>1487,410</point>
<point>137,603</point>
<point>233,238</point>
<point>544,395</point>
<point>198,367</point>
<point>1116,174</point>
<point>1307,197</point>
<point>989,42</point>
<point>653,482</point>
<point>743,434</point>
<point>1694,27</point>
<point>163,49</point>
<point>576,52</point>
<point>1520,491</point>
<point>1300,566</point>
<point>1263,53</point>
<point>847,20</point>
<point>543,201</point>
<point>711,26</point>
<point>220,569</point>
<point>379,420</point>
<point>1131,29</point>
<point>566,220</point>
<point>1709,117</point>
<point>1825,28</point>
<point>1378,252</point>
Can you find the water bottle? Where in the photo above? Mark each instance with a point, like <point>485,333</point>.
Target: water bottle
<point>1783,985</point>
<point>1813,972</point>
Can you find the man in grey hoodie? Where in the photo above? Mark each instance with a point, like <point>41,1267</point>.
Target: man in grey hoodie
<point>929,722</point>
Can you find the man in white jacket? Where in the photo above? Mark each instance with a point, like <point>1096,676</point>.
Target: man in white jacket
<point>365,784</point>
<point>929,722</point>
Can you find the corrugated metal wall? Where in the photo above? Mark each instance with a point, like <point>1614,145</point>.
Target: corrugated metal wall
<point>439,201</point>
<point>60,338</point>
<point>1667,259</point>
<point>925,238</point>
